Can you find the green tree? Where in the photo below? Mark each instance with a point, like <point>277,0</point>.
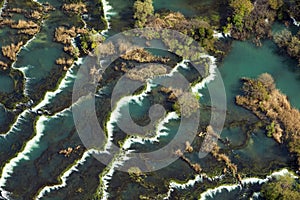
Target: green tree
<point>241,8</point>
<point>275,4</point>
<point>282,188</point>
<point>142,10</point>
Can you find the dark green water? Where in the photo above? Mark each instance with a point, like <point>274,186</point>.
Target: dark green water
<point>7,84</point>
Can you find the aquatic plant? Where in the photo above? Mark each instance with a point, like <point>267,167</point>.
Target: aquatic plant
<point>290,43</point>
<point>141,55</point>
<point>10,51</point>
<point>270,105</point>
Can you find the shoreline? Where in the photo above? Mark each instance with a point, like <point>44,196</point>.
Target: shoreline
<point>250,180</point>
<point>65,175</point>
<point>8,168</point>
<point>107,12</point>
<point>115,115</point>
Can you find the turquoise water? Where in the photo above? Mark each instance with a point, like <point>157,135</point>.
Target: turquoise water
<point>247,60</point>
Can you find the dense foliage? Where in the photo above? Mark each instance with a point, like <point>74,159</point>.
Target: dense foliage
<point>271,106</point>
<point>283,187</point>
<point>241,9</point>
<point>290,43</point>
<point>142,10</point>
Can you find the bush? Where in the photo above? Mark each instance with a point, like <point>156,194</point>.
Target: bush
<point>283,187</point>
<point>142,10</point>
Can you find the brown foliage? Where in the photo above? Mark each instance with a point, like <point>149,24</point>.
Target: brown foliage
<point>3,65</point>
<point>75,8</point>
<point>35,15</point>
<point>64,35</point>
<point>10,51</point>
<point>275,108</point>
<point>188,147</point>
<point>23,24</point>
<point>223,158</point>
<point>142,55</point>
<point>145,73</point>
<point>195,166</point>
<point>5,21</point>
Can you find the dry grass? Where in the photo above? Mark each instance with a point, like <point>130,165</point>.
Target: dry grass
<point>23,24</point>
<point>75,8</point>
<point>64,35</point>
<point>142,55</point>
<point>145,73</point>
<point>10,51</point>
<point>275,108</point>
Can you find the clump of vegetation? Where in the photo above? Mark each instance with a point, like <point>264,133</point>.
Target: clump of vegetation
<point>142,10</point>
<point>10,51</point>
<point>290,43</point>
<point>282,187</point>
<point>275,4</point>
<point>195,166</point>
<point>64,35</point>
<point>26,27</point>
<point>186,105</point>
<point>249,19</point>
<point>75,8</point>
<point>241,9</point>
<point>269,104</point>
<point>22,24</point>
<point>223,158</point>
<point>197,28</point>
<point>146,72</point>
<point>90,40</point>
<point>142,55</point>
<point>293,8</point>
<point>3,65</point>
<point>66,63</point>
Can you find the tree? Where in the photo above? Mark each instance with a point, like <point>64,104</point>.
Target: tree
<point>275,4</point>
<point>283,187</point>
<point>142,10</point>
<point>241,8</point>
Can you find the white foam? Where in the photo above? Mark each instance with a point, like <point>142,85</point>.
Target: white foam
<point>210,77</point>
<point>37,1</point>
<point>107,10</point>
<point>29,147</point>
<point>161,130</point>
<point>180,64</point>
<point>116,113</point>
<point>17,123</point>
<point>251,180</point>
<point>255,195</point>
<point>64,177</point>
<point>68,78</point>
<point>190,183</point>
<point>219,35</point>
<point>295,22</point>
<point>106,176</point>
